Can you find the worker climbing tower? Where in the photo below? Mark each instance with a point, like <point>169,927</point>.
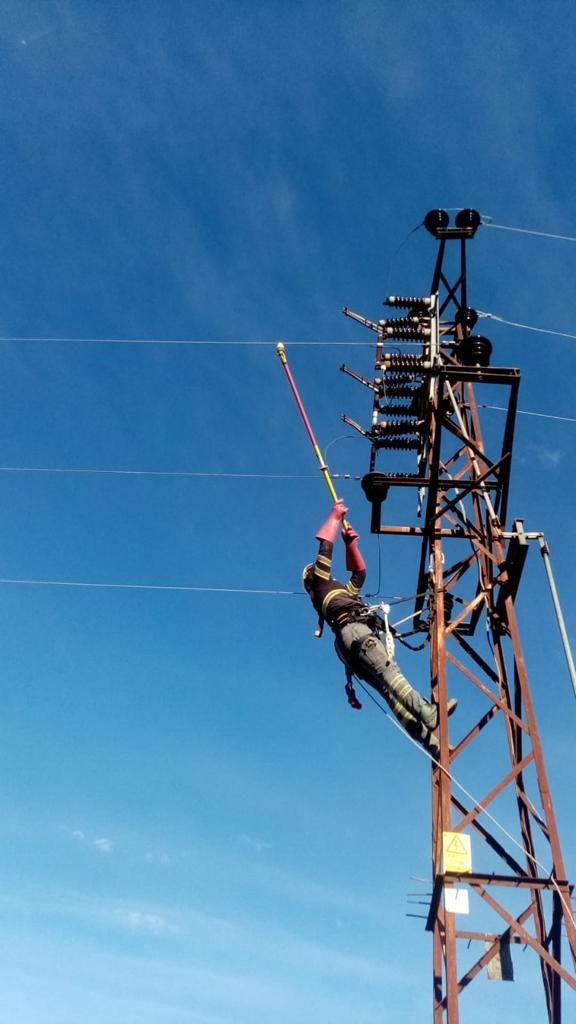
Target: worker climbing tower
<point>495,853</point>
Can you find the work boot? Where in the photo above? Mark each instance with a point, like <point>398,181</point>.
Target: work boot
<point>429,713</point>
<point>431,744</point>
<point>451,706</point>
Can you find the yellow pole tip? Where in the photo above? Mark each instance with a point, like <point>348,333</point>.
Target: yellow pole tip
<point>279,348</point>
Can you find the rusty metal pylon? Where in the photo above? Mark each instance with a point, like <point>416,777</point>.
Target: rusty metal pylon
<point>425,419</point>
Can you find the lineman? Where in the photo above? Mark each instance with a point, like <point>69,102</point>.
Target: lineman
<point>357,644</point>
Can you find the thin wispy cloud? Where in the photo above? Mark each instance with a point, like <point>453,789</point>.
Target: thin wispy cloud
<point>101,843</point>
<point>104,845</point>
<point>230,171</point>
<point>158,857</point>
<point>258,845</point>
<point>546,457</point>
<point>143,921</point>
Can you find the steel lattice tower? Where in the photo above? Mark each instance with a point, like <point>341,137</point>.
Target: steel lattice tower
<point>426,425</point>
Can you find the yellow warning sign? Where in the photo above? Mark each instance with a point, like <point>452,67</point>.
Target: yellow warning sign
<point>457,852</point>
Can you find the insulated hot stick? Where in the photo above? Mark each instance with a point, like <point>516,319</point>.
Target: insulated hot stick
<point>323,467</point>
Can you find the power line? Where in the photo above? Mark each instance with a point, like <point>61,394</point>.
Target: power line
<point>147,586</point>
<point>158,472</point>
<point>238,476</point>
<point>186,341</point>
<point>488,223</point>
<point>255,342</point>
<point>524,412</point>
<point>87,584</point>
<point>525,327</point>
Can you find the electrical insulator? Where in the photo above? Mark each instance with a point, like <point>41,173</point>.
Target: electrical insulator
<point>412,317</point>
<point>408,302</point>
<point>375,486</point>
<point>401,380</point>
<point>394,391</point>
<point>398,443</point>
<point>436,220</point>
<point>398,408</point>
<point>474,351</point>
<point>398,427</point>
<point>401,476</point>
<point>468,219</point>
<point>402,377</point>
<point>392,321</point>
<point>401,362</point>
<point>466,316</point>
<point>448,606</point>
<point>409,332</point>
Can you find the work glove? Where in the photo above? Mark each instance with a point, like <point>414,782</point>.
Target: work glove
<point>329,530</point>
<point>354,560</point>
<point>349,535</point>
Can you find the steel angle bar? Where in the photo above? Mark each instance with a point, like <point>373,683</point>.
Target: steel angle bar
<point>495,844</point>
<point>466,489</point>
<point>485,802</point>
<point>496,701</point>
<point>477,658</point>
<point>529,939</point>
<point>453,625</point>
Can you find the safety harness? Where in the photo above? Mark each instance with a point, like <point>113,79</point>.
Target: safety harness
<point>380,627</point>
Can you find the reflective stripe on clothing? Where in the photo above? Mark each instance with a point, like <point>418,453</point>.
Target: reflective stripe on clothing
<point>330,597</point>
<point>366,655</point>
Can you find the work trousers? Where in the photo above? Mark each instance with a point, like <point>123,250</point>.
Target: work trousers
<point>368,658</point>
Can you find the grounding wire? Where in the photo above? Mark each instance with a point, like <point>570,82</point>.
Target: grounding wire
<point>467,793</point>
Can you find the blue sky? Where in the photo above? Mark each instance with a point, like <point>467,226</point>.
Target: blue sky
<point>195,827</point>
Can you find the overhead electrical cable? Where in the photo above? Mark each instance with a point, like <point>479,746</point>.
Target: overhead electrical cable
<point>185,341</point>
<point>525,327</point>
<point>145,586</point>
<point>525,412</point>
<point>487,222</point>
<point>261,343</point>
<point>158,472</point>
<point>200,474</point>
<point>175,587</point>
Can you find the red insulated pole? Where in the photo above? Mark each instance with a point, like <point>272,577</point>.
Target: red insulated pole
<point>323,467</point>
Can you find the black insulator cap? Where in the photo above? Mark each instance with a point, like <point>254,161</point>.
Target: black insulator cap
<point>467,316</point>
<point>436,219</point>
<point>474,351</point>
<point>468,219</point>
<point>448,607</point>
<point>375,487</point>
